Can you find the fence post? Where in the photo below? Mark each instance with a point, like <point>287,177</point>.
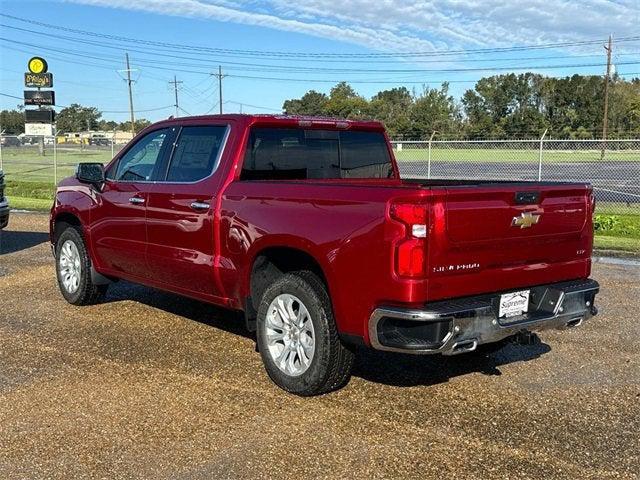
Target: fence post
<point>1,134</point>
<point>540,154</point>
<point>429,155</point>
<point>55,161</point>
<point>112,141</point>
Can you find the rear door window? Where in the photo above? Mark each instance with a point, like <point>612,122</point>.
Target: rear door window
<point>294,154</point>
<point>196,153</point>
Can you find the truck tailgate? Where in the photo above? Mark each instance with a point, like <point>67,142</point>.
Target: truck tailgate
<point>488,238</point>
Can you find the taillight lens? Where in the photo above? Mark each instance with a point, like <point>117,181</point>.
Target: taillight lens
<point>410,258</point>
<point>410,250</point>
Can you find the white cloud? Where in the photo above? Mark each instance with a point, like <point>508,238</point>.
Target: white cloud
<point>412,25</point>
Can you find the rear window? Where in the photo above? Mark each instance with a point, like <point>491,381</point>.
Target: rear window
<point>294,154</point>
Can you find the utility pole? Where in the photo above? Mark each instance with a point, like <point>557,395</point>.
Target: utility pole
<point>129,82</point>
<point>175,89</point>
<point>605,118</point>
<point>220,76</point>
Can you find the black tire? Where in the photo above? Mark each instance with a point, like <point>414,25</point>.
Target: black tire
<point>87,292</point>
<point>330,367</point>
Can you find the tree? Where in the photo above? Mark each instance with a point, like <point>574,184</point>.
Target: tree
<point>107,125</point>
<point>77,118</point>
<point>434,110</point>
<point>392,107</point>
<point>138,125</point>
<point>344,102</point>
<point>12,122</point>
<point>500,106</point>
<point>311,103</point>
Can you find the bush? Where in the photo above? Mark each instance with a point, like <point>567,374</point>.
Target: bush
<point>605,223</point>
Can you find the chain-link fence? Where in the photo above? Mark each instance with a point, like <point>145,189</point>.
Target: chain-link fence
<point>612,166</point>
<point>49,159</point>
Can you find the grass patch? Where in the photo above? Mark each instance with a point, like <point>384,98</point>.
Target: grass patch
<point>617,232</point>
<point>25,164</point>
<point>617,243</point>
<point>625,226</point>
<point>26,203</point>
<point>34,190</point>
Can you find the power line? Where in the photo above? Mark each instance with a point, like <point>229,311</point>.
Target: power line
<point>200,59</point>
<point>254,106</point>
<point>151,63</point>
<point>102,111</point>
<point>265,53</point>
<point>445,70</point>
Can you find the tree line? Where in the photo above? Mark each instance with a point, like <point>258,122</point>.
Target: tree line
<point>501,106</point>
<point>74,118</point>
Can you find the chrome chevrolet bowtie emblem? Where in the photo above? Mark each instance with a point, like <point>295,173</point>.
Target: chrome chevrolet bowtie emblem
<point>525,220</point>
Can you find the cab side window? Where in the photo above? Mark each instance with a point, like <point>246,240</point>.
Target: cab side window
<point>138,164</point>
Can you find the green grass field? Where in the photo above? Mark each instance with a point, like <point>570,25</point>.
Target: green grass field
<point>408,153</point>
<point>27,165</point>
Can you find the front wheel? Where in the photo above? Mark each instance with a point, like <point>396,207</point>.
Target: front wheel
<point>73,269</point>
<point>298,339</point>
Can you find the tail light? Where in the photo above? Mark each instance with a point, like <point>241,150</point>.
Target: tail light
<point>411,249</point>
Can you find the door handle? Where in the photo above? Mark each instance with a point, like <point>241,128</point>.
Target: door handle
<point>200,206</point>
<point>136,200</point>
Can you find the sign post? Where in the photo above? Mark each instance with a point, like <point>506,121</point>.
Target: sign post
<point>40,122</point>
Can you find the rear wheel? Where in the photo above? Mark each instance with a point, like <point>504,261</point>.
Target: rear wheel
<point>298,339</point>
<point>73,269</point>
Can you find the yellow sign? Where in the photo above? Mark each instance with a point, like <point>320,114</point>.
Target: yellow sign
<point>38,65</point>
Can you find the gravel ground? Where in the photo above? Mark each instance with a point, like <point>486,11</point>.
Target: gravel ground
<point>150,385</point>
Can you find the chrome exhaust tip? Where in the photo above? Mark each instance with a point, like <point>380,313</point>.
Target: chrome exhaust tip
<point>464,346</point>
<point>575,322</point>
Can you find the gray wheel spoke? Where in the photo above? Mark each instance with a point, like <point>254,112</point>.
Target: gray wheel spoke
<point>283,312</point>
<point>274,337</point>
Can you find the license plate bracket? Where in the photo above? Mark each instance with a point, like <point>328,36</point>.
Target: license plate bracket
<point>513,304</point>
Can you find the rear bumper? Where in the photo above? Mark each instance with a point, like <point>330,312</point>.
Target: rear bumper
<point>4,213</point>
<point>460,325</point>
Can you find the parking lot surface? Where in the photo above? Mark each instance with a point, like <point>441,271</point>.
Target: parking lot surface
<point>151,385</point>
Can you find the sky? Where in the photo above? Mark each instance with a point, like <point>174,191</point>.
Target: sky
<point>273,50</point>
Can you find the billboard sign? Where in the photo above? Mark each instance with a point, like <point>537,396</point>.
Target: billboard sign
<point>38,80</point>
<point>38,129</point>
<point>39,97</point>
<point>39,116</point>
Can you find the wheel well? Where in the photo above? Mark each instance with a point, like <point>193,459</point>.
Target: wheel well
<point>61,222</point>
<point>272,263</point>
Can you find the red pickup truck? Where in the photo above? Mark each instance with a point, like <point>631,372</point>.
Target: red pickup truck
<point>305,225</point>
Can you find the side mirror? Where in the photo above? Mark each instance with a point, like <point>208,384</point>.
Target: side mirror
<point>91,173</point>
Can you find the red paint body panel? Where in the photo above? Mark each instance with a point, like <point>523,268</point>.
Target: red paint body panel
<point>471,245</point>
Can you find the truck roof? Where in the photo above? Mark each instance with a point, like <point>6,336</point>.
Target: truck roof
<point>282,120</point>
